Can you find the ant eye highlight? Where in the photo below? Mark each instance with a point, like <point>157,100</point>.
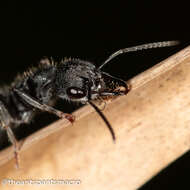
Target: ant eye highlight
<point>76,93</point>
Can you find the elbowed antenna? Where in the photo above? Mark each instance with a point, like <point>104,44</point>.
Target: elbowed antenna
<point>140,47</point>
<point>104,119</point>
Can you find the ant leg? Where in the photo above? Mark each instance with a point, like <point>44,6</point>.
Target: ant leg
<point>15,143</point>
<point>5,120</point>
<point>43,107</point>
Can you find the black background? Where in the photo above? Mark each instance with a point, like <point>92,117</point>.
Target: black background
<point>92,31</point>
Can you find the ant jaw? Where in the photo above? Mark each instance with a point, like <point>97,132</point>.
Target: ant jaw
<point>110,93</point>
<point>127,88</point>
<point>122,90</point>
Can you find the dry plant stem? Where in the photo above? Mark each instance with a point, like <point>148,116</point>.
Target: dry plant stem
<point>152,126</point>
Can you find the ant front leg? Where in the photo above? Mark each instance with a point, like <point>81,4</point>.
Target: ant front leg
<point>5,120</point>
<point>44,107</point>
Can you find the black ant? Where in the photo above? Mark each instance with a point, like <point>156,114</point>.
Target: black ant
<point>72,79</point>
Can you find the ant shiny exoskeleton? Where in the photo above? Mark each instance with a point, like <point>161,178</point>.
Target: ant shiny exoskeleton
<point>71,79</point>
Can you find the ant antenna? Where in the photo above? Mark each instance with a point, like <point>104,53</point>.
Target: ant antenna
<point>104,119</point>
<point>140,47</point>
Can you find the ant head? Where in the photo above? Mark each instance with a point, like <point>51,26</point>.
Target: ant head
<point>81,81</point>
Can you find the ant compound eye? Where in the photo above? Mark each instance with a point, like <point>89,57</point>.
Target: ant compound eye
<point>76,93</point>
